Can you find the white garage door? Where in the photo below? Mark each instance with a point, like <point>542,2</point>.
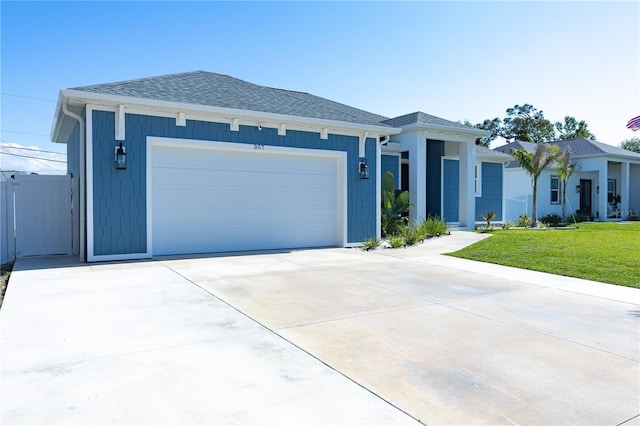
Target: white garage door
<point>213,199</point>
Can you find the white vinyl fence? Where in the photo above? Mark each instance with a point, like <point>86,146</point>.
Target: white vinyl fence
<point>37,216</point>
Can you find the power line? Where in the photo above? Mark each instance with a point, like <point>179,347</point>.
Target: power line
<point>26,97</point>
<point>32,157</point>
<point>24,133</point>
<point>31,149</point>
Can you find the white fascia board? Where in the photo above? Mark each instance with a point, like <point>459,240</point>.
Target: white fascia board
<point>445,129</point>
<point>227,114</point>
<point>609,157</point>
<point>57,121</point>
<point>391,147</point>
<point>494,158</point>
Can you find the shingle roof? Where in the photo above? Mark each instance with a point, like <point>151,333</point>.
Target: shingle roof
<point>580,147</point>
<point>527,146</point>
<point>211,89</point>
<point>422,118</point>
<point>486,152</point>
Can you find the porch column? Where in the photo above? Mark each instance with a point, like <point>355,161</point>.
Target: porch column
<point>624,190</point>
<point>601,194</point>
<point>416,143</point>
<point>466,200</point>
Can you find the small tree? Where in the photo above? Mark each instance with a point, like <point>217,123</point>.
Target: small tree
<point>565,169</point>
<point>534,163</point>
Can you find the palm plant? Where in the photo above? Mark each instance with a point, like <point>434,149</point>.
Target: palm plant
<point>565,169</point>
<point>488,217</point>
<point>534,163</point>
<point>395,203</point>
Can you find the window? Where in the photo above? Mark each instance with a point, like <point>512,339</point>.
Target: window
<point>477,180</point>
<point>555,190</point>
<point>611,190</point>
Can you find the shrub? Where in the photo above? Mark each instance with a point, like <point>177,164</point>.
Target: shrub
<point>411,235</point>
<point>433,226</point>
<point>371,244</point>
<point>523,221</point>
<point>396,240</point>
<point>551,219</point>
<point>577,218</point>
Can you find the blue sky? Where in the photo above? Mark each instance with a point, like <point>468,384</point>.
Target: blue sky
<point>457,60</point>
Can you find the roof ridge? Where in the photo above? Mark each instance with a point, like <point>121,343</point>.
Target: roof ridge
<point>133,80</point>
<point>213,89</point>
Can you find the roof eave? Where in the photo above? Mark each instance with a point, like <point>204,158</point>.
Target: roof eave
<point>447,129</point>
<point>81,97</point>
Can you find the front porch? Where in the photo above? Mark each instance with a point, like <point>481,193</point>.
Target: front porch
<point>609,190</point>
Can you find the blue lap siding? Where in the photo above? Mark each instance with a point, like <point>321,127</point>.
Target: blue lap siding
<point>119,196</point>
<point>450,190</point>
<point>491,199</point>
<point>391,163</point>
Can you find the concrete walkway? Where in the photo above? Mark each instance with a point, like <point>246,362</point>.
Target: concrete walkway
<point>332,336</point>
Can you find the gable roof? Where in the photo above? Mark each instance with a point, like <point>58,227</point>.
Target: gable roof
<point>420,117</point>
<point>587,147</point>
<point>485,152</point>
<point>580,148</point>
<point>527,146</point>
<point>218,90</point>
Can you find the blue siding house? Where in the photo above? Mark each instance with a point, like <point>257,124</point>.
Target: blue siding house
<point>200,162</point>
<point>446,173</point>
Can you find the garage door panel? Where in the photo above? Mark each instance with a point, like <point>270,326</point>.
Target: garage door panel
<point>209,200</point>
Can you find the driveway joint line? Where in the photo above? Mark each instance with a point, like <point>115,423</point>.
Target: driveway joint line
<point>537,332</point>
<point>628,420</point>
<point>360,385</point>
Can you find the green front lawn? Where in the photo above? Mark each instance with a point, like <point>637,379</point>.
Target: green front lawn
<point>607,252</point>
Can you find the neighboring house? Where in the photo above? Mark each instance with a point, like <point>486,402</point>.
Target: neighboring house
<point>216,164</point>
<point>602,173</point>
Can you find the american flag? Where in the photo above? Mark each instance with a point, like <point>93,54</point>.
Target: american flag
<point>634,123</point>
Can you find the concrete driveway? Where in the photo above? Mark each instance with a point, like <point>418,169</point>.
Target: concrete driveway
<point>332,336</point>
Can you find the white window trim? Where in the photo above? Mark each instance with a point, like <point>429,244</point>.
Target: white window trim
<point>551,190</point>
<point>477,179</point>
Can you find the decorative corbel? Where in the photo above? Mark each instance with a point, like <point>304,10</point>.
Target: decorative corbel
<point>120,130</point>
<point>363,139</point>
<point>181,119</point>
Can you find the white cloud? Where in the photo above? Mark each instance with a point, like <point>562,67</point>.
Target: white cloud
<point>31,159</point>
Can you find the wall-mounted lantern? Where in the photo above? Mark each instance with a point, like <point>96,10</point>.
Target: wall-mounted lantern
<point>121,157</point>
<point>577,189</point>
<point>363,169</point>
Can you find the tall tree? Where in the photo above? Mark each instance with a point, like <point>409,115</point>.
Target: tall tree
<point>534,163</point>
<point>565,169</point>
<point>572,128</point>
<point>632,144</point>
<point>494,127</point>
<point>526,123</point>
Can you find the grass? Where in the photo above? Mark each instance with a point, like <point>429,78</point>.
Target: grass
<point>606,252</point>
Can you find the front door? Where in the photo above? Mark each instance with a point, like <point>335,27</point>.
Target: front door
<point>585,196</point>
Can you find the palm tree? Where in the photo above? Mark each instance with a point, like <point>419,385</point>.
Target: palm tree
<point>534,163</point>
<point>565,169</point>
